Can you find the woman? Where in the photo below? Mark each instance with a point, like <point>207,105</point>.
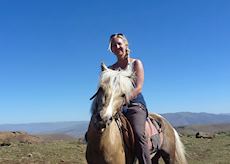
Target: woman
<point>136,112</point>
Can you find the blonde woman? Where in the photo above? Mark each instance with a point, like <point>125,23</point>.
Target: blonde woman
<point>135,109</point>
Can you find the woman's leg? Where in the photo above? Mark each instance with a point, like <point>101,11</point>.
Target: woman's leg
<point>137,117</point>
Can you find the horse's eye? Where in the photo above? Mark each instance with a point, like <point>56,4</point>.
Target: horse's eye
<point>123,95</point>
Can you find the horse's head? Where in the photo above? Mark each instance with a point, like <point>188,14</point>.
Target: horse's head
<point>114,87</point>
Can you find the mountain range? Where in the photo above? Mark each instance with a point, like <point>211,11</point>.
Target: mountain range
<point>189,118</point>
<point>78,128</point>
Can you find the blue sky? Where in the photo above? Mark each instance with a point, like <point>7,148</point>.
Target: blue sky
<point>50,55</point>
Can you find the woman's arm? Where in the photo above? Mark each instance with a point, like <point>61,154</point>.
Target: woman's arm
<point>139,70</point>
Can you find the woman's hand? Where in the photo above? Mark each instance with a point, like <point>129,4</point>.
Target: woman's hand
<point>130,96</point>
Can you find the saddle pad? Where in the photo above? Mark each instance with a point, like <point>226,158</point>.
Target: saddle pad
<point>153,134</point>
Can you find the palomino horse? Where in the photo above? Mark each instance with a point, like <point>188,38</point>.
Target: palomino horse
<point>105,140</point>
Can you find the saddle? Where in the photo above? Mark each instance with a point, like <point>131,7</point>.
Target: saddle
<point>154,134</point>
<point>152,130</point>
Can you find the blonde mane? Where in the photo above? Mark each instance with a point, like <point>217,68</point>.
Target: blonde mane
<point>122,80</point>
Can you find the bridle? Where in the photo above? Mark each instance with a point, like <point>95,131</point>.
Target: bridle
<point>101,124</point>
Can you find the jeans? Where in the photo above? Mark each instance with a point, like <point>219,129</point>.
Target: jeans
<point>137,114</point>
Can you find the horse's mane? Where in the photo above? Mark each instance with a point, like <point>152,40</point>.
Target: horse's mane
<point>123,80</point>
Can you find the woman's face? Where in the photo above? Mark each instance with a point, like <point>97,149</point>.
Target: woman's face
<point>118,47</point>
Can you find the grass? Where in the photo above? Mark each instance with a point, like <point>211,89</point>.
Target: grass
<point>52,152</point>
<point>199,151</point>
<point>213,151</point>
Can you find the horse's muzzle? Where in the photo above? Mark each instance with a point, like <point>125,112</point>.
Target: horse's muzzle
<point>102,123</point>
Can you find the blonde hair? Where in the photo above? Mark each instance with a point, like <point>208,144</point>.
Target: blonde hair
<point>122,36</point>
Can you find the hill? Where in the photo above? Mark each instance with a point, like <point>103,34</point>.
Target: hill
<point>208,129</point>
<point>73,128</point>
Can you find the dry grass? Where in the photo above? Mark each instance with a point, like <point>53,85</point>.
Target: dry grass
<point>199,151</point>
<point>213,151</point>
<point>49,153</point>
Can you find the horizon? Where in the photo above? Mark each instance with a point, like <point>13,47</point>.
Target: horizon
<point>24,123</point>
<point>50,55</point>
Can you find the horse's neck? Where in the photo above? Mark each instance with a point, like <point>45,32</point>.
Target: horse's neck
<point>110,134</point>
<point>111,145</point>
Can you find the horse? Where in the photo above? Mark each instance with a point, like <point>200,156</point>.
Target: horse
<point>105,141</point>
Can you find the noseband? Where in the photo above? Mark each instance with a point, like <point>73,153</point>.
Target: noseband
<point>101,124</point>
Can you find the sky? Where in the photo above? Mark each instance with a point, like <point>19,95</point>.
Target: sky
<point>51,50</point>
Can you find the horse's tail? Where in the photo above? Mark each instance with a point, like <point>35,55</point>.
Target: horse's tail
<point>180,151</point>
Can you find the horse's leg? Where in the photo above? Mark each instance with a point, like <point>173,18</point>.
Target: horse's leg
<point>168,147</point>
<point>155,159</point>
<point>167,158</point>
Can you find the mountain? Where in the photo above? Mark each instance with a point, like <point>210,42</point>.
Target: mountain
<point>72,128</point>
<point>188,118</point>
<point>207,128</point>
<point>78,128</point>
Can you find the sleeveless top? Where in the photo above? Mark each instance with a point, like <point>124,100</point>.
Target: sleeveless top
<point>139,98</point>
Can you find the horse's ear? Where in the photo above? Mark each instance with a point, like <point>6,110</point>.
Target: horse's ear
<point>103,67</point>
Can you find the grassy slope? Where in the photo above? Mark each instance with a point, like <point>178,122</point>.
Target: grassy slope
<point>51,152</point>
<point>213,151</point>
<point>199,151</point>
